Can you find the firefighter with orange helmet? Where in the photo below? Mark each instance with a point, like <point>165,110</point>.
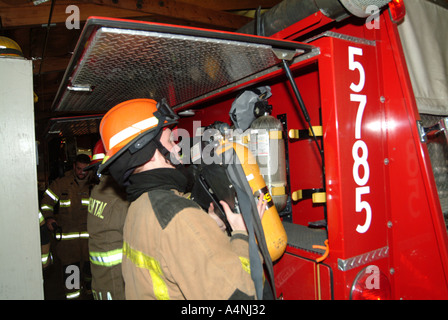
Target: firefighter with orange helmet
<point>69,197</point>
<point>172,249</point>
<point>105,221</point>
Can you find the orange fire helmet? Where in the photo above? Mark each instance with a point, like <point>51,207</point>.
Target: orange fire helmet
<point>131,125</point>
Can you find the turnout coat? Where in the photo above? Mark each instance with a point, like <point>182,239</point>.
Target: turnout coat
<point>174,250</point>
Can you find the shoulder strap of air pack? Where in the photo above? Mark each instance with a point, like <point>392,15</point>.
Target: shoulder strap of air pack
<point>251,217</point>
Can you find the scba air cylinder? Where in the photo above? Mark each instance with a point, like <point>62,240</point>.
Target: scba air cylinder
<point>268,146</point>
<point>274,232</point>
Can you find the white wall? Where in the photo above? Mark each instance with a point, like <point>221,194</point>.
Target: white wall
<point>20,263</point>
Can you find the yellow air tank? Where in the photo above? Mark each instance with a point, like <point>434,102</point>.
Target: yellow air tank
<point>273,229</point>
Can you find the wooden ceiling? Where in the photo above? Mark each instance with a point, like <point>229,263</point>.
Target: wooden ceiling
<point>50,48</point>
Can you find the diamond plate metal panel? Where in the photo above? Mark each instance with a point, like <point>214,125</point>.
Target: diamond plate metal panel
<point>74,126</point>
<point>438,154</point>
<point>118,64</point>
<point>363,259</point>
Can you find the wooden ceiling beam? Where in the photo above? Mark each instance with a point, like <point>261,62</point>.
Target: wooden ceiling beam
<point>179,10</point>
<point>51,64</point>
<point>30,15</point>
<point>233,5</point>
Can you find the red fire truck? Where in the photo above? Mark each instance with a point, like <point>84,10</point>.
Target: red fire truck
<point>361,208</point>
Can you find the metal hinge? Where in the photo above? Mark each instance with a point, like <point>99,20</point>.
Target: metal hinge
<point>421,131</point>
<point>83,88</point>
<point>439,128</point>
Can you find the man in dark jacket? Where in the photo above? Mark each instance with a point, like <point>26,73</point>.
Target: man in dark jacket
<point>71,194</point>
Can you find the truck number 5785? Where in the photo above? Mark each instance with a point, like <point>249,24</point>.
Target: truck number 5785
<point>360,151</point>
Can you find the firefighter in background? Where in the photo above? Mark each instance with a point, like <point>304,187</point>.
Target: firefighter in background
<point>44,243</point>
<point>172,249</point>
<point>71,194</point>
<point>105,221</point>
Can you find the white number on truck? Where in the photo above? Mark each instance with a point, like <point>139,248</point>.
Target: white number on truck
<point>360,151</point>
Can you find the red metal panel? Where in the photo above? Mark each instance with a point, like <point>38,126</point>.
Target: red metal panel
<point>305,162</point>
<point>298,278</point>
<point>354,157</point>
<point>418,238</point>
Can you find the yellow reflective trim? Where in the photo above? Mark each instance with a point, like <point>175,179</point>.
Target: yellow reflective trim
<point>65,203</point>
<point>46,207</point>
<point>84,235</point>
<point>73,295</point>
<point>98,156</point>
<point>245,263</point>
<point>45,257</point>
<point>141,260</point>
<point>41,218</point>
<point>106,259</point>
<point>74,235</point>
<point>52,195</point>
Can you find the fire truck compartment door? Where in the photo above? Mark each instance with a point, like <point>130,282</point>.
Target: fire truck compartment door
<point>117,60</point>
<point>298,278</point>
